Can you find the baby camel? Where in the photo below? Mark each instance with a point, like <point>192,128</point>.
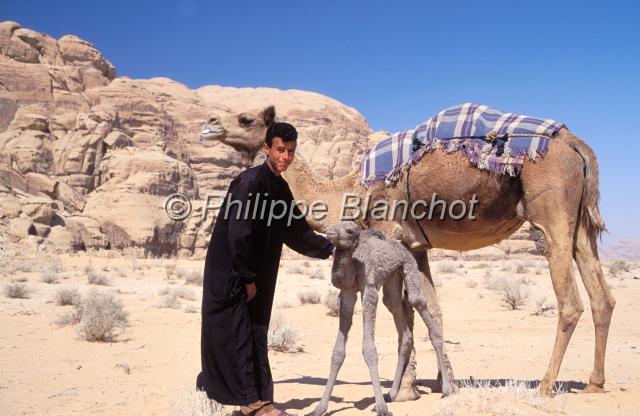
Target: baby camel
<point>365,261</point>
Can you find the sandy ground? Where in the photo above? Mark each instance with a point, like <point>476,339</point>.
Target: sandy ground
<point>49,370</point>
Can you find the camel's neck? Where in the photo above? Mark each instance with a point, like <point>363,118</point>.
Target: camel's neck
<point>307,186</point>
<point>343,272</point>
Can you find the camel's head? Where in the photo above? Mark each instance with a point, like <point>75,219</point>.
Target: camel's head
<point>244,132</point>
<point>344,235</point>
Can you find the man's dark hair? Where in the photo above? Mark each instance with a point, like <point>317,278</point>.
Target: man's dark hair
<point>285,131</point>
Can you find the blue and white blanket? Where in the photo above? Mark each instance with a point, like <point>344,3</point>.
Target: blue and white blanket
<point>489,138</point>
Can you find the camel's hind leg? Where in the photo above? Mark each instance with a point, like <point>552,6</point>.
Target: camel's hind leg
<point>408,390</point>
<point>415,287</point>
<point>601,300</point>
<point>552,193</point>
<point>393,300</point>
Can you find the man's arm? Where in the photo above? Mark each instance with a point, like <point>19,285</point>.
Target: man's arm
<point>240,235</point>
<point>300,237</point>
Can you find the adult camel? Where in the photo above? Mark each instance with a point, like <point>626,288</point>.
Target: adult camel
<point>558,195</point>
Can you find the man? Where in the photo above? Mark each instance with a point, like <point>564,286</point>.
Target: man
<point>240,277</point>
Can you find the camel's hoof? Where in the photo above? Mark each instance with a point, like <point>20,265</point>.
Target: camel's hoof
<point>318,411</point>
<point>383,411</point>
<point>449,390</point>
<point>545,389</point>
<point>405,394</point>
<point>594,388</point>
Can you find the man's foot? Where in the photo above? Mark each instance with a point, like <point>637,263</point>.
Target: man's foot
<point>271,410</point>
<point>253,408</point>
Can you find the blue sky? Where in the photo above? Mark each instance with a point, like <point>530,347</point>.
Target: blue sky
<point>397,63</point>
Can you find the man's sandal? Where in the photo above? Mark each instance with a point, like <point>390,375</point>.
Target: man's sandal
<point>253,408</point>
<point>269,408</point>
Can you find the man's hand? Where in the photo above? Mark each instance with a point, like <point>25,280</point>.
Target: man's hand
<point>251,291</point>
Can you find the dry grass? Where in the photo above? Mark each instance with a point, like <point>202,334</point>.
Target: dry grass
<point>103,317</point>
<point>50,277</point>
<point>471,284</point>
<point>67,296</point>
<point>170,270</point>
<point>284,336</point>
<point>543,306</point>
<point>493,398</point>
<point>17,291</point>
<point>191,309</point>
<point>519,268</point>
<point>446,266</point>
<point>169,302</point>
<point>332,302</point>
<point>618,267</point>
<point>513,292</point>
<point>309,296</point>
<point>196,403</point>
<point>96,278</point>
<point>193,278</point>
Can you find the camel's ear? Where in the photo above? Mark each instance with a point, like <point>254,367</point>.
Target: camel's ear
<point>269,115</point>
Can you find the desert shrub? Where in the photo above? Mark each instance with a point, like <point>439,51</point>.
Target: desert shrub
<point>283,336</point>
<point>309,296</point>
<point>50,277</point>
<point>169,301</point>
<point>332,302</point>
<point>492,282</point>
<point>196,403</point>
<point>97,278</point>
<point>618,266</point>
<point>543,306</point>
<point>103,317</point>
<point>496,398</point>
<point>297,270</point>
<point>70,317</point>
<point>24,265</point>
<point>183,292</point>
<point>17,291</point>
<point>191,309</point>
<point>519,268</point>
<point>170,270</point>
<point>67,296</point>
<point>472,284</point>
<point>193,278</point>
<point>437,281</point>
<point>317,274</point>
<point>513,293</point>
<point>446,266</point>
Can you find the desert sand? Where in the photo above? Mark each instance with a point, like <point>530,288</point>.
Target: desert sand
<point>49,369</point>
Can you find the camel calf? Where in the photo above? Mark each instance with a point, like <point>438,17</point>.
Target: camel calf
<point>365,262</point>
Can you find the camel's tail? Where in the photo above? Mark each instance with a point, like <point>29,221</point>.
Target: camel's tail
<point>590,213</point>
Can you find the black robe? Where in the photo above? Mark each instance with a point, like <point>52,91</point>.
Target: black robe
<point>235,365</point>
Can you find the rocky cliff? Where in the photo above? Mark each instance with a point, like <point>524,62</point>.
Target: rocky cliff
<point>87,158</point>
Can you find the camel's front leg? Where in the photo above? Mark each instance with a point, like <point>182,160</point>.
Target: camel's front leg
<point>369,304</point>
<point>347,303</point>
<point>392,299</point>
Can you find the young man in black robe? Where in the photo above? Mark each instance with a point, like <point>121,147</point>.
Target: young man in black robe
<point>240,275</point>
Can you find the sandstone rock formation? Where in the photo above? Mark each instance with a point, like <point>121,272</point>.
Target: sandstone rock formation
<point>87,158</point>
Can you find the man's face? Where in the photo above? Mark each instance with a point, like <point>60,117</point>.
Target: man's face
<point>280,154</point>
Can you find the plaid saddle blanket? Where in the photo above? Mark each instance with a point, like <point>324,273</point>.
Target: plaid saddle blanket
<point>489,138</point>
